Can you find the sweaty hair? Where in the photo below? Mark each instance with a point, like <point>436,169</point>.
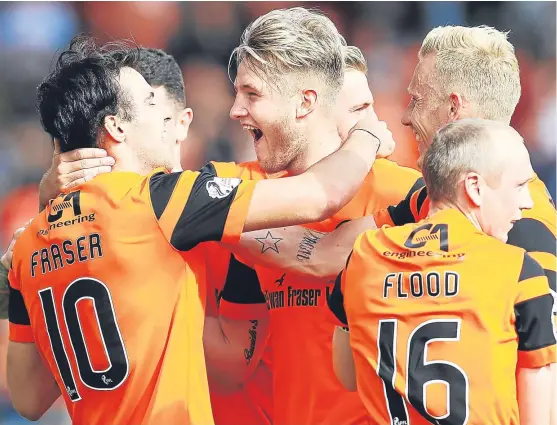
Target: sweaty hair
<point>293,41</point>
<point>161,70</point>
<point>460,147</point>
<point>478,62</point>
<point>82,90</point>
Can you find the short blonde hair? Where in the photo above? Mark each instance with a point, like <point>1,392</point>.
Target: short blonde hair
<point>295,40</point>
<point>355,59</point>
<point>471,144</point>
<point>480,63</point>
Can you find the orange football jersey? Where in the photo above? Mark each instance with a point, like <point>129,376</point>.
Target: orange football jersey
<point>440,315</point>
<point>535,232</point>
<point>105,283</point>
<point>305,388</point>
<point>253,403</point>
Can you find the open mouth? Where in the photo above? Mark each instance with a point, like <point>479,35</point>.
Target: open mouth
<point>255,132</point>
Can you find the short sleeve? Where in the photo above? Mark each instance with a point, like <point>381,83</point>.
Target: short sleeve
<point>336,298</point>
<point>19,322</point>
<point>406,211</point>
<point>194,207</point>
<point>533,311</point>
<point>537,239</point>
<point>242,298</point>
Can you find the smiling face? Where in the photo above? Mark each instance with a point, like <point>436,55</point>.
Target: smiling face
<point>270,117</point>
<point>428,110</point>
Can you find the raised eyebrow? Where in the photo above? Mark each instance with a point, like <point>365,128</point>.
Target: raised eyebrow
<point>150,96</point>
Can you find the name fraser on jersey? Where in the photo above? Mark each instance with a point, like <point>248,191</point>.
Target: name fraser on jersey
<point>57,256</point>
<point>291,297</point>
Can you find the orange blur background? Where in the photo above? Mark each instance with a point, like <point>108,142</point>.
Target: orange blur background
<point>201,36</point>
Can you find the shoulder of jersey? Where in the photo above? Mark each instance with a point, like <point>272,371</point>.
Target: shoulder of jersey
<point>388,172</point>
<point>107,185</point>
<point>26,239</point>
<point>383,165</point>
<point>118,184</point>
<point>250,170</point>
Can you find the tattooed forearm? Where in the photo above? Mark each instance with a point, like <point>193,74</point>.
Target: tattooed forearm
<point>310,239</point>
<point>248,352</point>
<point>4,293</point>
<point>269,243</point>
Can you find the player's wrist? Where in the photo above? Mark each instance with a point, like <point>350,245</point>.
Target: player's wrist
<point>374,139</point>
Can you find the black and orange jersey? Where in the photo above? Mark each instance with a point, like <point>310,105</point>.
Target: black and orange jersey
<point>535,232</point>
<point>107,283</point>
<point>305,388</point>
<point>234,292</point>
<point>238,296</point>
<point>440,316</point>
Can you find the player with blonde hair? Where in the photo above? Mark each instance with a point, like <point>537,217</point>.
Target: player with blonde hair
<point>462,72</point>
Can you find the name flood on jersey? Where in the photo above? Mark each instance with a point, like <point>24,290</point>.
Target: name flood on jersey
<point>292,297</point>
<point>57,256</point>
<point>420,284</point>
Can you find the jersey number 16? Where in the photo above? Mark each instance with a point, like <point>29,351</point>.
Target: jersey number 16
<point>420,372</point>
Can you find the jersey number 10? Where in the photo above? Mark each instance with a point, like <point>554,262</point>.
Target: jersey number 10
<point>102,380</point>
<point>420,372</point>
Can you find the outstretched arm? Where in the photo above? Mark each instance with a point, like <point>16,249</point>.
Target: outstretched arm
<point>300,250</point>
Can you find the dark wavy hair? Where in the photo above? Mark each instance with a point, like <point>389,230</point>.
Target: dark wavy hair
<point>161,70</point>
<point>83,89</point>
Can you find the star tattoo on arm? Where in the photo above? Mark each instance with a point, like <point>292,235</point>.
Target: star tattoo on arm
<point>269,243</point>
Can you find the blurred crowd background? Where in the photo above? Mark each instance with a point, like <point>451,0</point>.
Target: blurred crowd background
<point>201,36</point>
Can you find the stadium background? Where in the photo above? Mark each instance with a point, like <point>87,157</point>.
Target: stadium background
<point>201,36</point>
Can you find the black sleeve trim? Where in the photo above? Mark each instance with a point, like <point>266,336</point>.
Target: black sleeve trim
<point>348,259</point>
<point>534,323</point>
<point>402,213</point>
<point>530,268</point>
<point>161,187</point>
<point>204,215</point>
<point>242,284</point>
<point>533,236</point>
<point>336,301</point>
<point>17,312</point>
<point>421,199</point>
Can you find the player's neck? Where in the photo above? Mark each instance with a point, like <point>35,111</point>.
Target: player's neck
<point>126,160</point>
<point>321,142</point>
<point>444,205</point>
